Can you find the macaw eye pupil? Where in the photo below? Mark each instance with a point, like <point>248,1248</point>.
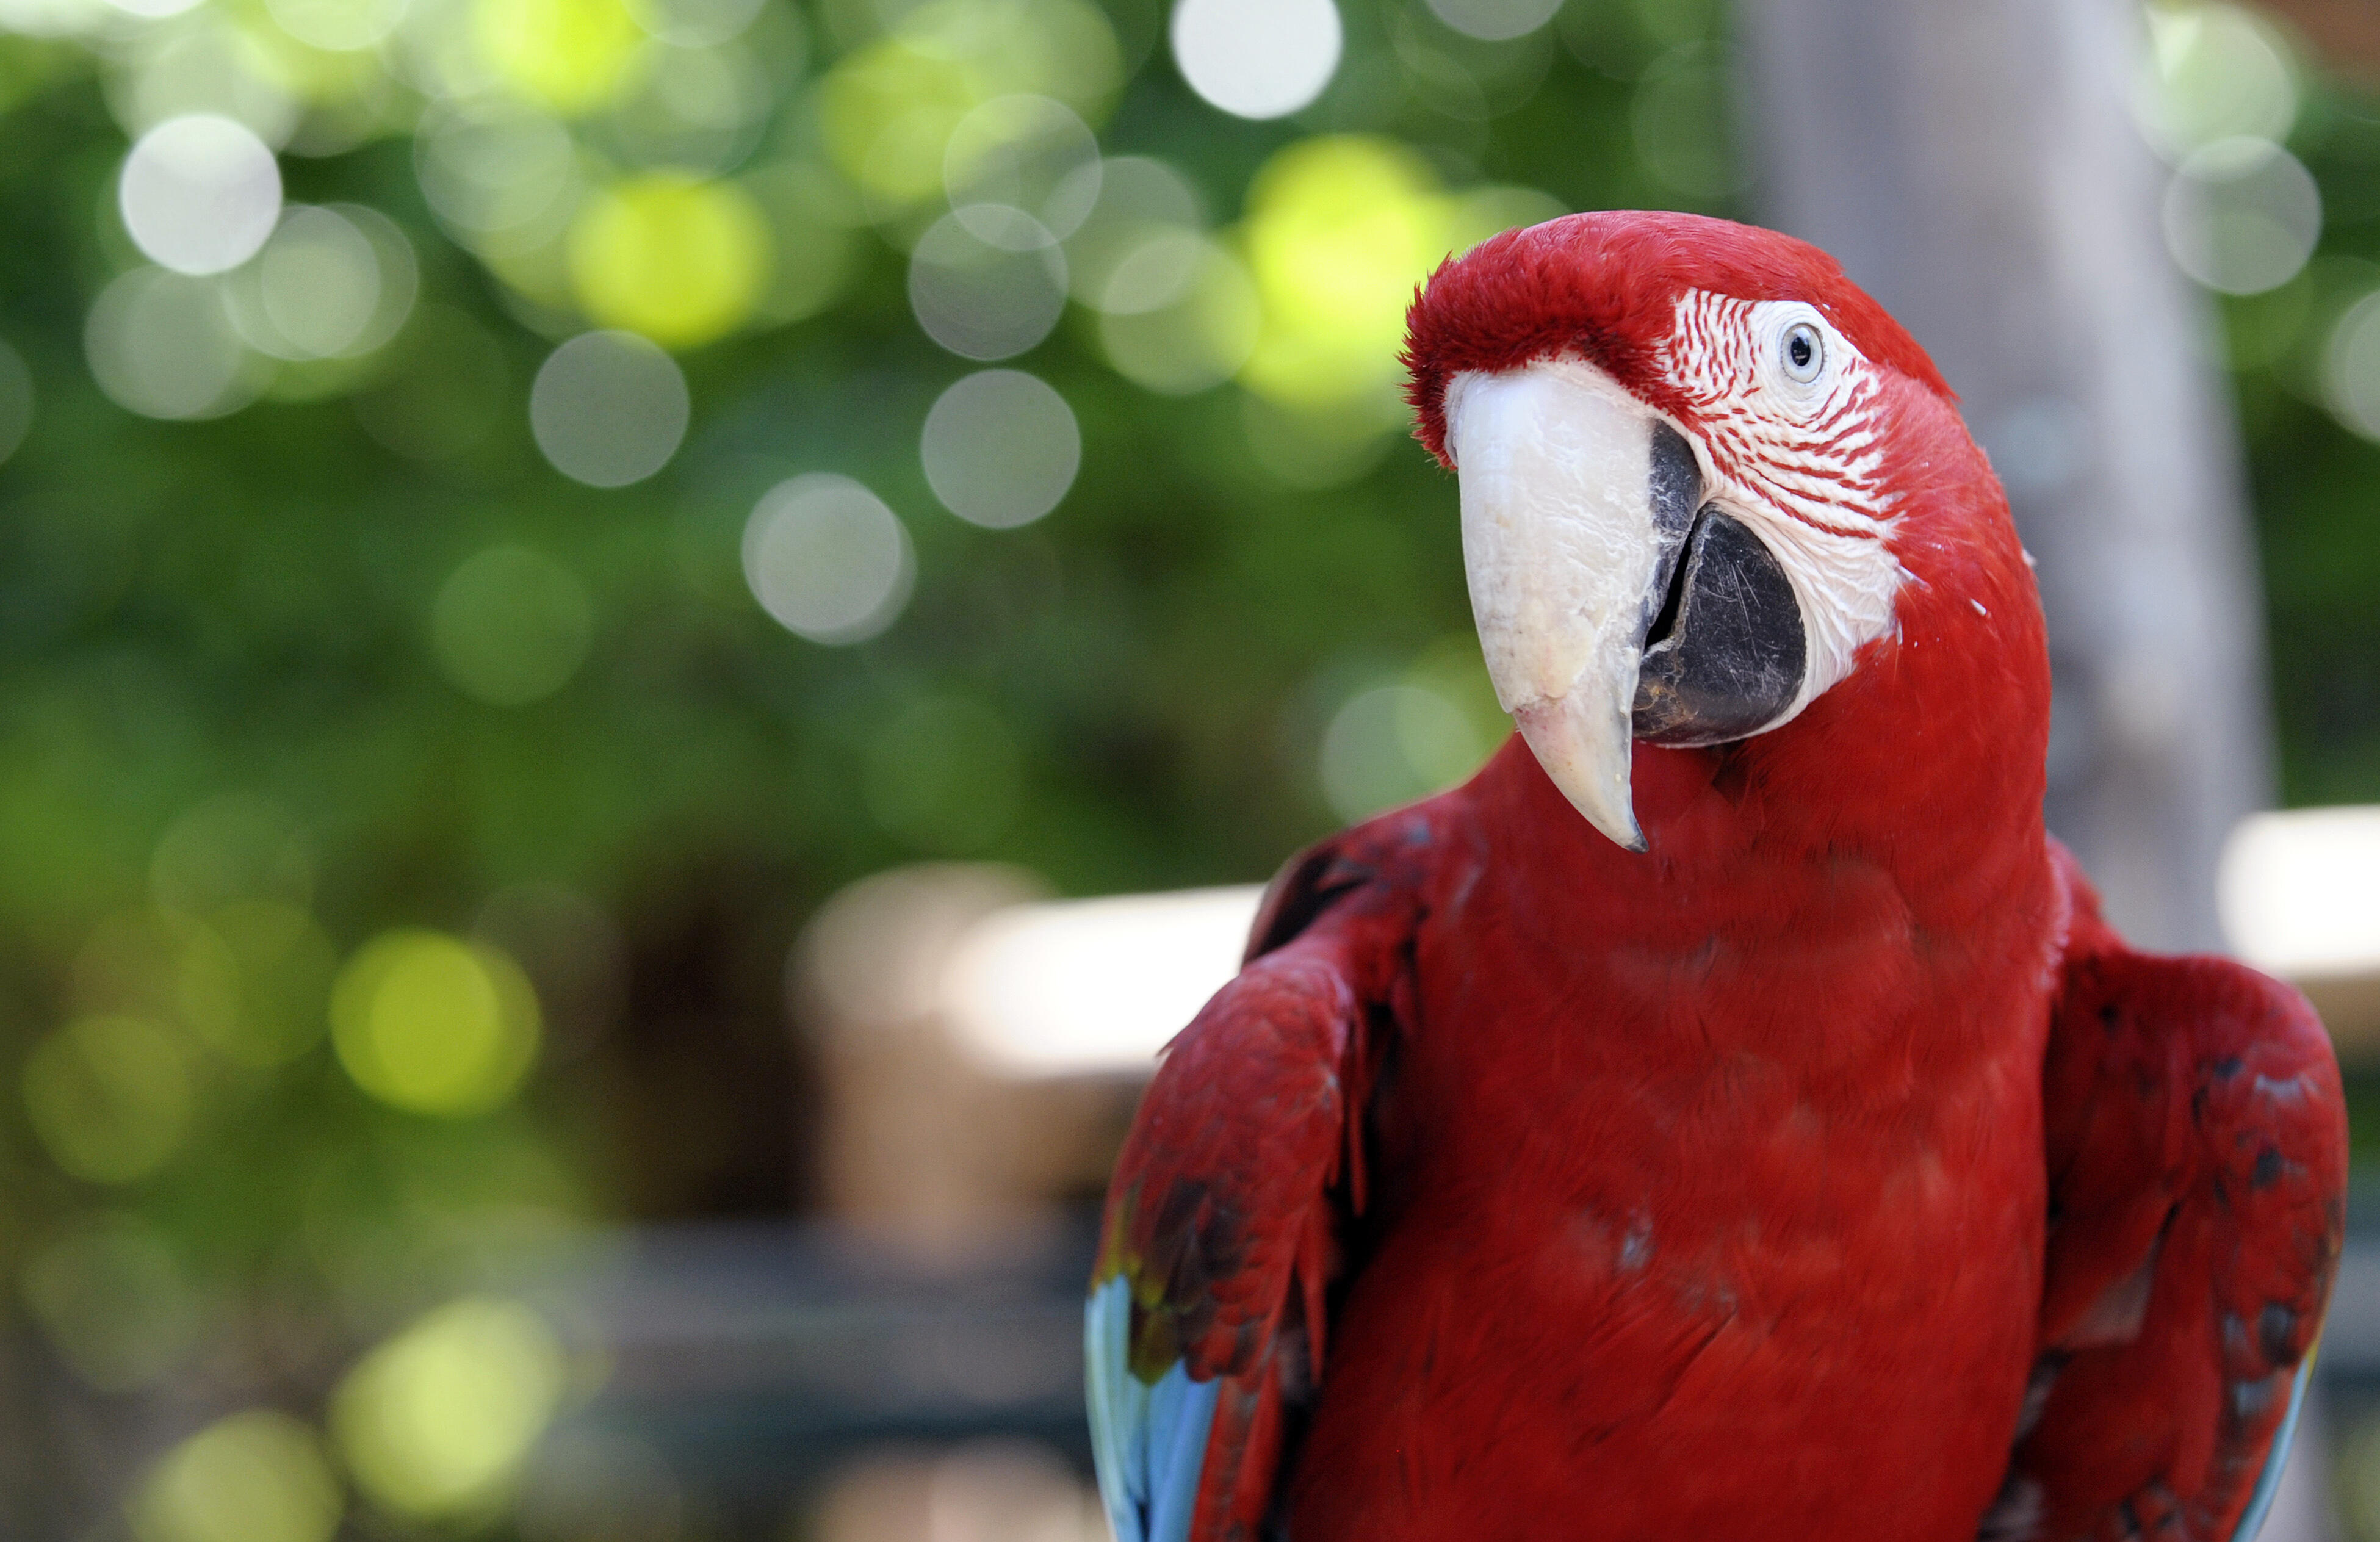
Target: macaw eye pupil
<point>1800,349</point>
<point>1804,352</point>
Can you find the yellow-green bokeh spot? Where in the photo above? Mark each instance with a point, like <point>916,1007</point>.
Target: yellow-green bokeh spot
<point>434,1025</point>
<point>570,55</point>
<point>1207,329</point>
<point>1339,229</point>
<point>886,112</point>
<point>436,1422</point>
<point>258,1476</point>
<point>679,260</point>
<point>111,1097</point>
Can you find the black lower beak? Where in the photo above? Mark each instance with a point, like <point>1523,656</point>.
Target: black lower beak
<point>1725,654</point>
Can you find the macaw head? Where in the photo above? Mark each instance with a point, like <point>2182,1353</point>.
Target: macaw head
<point>1706,481</point>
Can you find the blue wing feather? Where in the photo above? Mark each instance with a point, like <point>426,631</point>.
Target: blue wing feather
<point>1149,1442</point>
<point>2268,1482</point>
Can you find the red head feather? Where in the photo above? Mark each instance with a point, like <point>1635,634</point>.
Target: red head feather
<point>1603,285</point>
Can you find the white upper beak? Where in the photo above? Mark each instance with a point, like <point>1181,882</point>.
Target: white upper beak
<point>1561,548</point>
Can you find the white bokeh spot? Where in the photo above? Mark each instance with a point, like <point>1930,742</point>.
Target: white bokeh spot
<point>1000,448</point>
<point>1257,58</point>
<point>828,559</point>
<point>609,409</point>
<point>200,193</point>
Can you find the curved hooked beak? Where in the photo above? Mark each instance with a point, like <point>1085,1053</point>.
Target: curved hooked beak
<point>1612,603</point>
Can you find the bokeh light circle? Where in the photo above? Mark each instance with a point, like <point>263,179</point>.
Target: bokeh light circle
<point>496,170</point>
<point>1339,230</point>
<point>676,258</point>
<point>1196,329</point>
<point>437,1421</point>
<point>257,1476</point>
<point>695,111</point>
<point>330,282</point>
<point>1257,58</point>
<point>54,19</point>
<point>2241,216</point>
<point>1022,151</point>
<point>1000,448</point>
<point>828,559</point>
<point>399,271</point>
<point>511,626</point>
<point>2213,72</point>
<point>609,409</point>
<point>1139,198</point>
<point>1154,274</point>
<point>695,23</point>
<point>337,25</point>
<point>162,345</point>
<point>200,193</point>
<point>2350,376</point>
<point>568,56</point>
<point>209,65</point>
<point>434,1025</point>
<point>989,286</point>
<point>1393,743</point>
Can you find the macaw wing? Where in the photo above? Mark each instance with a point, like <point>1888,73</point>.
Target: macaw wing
<point>1207,1321</point>
<point>2196,1136</point>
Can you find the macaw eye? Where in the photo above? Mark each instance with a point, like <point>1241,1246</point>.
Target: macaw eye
<point>1803,351</point>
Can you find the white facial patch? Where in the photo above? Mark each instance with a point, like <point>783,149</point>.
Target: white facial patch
<point>1786,444</point>
<point>1576,503</point>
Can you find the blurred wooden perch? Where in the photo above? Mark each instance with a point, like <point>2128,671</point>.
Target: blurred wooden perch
<point>984,1047</point>
<point>2300,894</point>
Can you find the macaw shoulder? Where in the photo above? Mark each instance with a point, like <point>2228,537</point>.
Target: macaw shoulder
<point>1226,1217</point>
<point>2195,1141</point>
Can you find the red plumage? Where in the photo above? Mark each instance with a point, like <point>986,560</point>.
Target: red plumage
<point>1522,1186</point>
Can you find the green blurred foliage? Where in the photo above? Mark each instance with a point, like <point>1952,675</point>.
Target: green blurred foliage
<point>297,694</point>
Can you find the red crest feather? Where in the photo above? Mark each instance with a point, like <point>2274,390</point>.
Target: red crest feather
<point>1603,285</point>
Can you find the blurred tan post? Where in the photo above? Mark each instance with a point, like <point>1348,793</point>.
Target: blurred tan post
<point>926,1148</point>
<point>1974,166</point>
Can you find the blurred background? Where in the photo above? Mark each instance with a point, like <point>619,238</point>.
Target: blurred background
<point>647,647</point>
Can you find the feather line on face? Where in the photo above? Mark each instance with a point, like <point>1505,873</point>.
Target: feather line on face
<point>1801,462</point>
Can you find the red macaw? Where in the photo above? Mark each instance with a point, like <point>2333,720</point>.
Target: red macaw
<point>1727,1115</point>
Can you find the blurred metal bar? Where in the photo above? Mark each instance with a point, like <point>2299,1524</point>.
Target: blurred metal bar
<point>758,1359</point>
<point>1973,164</point>
<point>761,1358</point>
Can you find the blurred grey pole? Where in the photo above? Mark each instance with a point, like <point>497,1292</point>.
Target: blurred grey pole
<point>1973,164</point>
